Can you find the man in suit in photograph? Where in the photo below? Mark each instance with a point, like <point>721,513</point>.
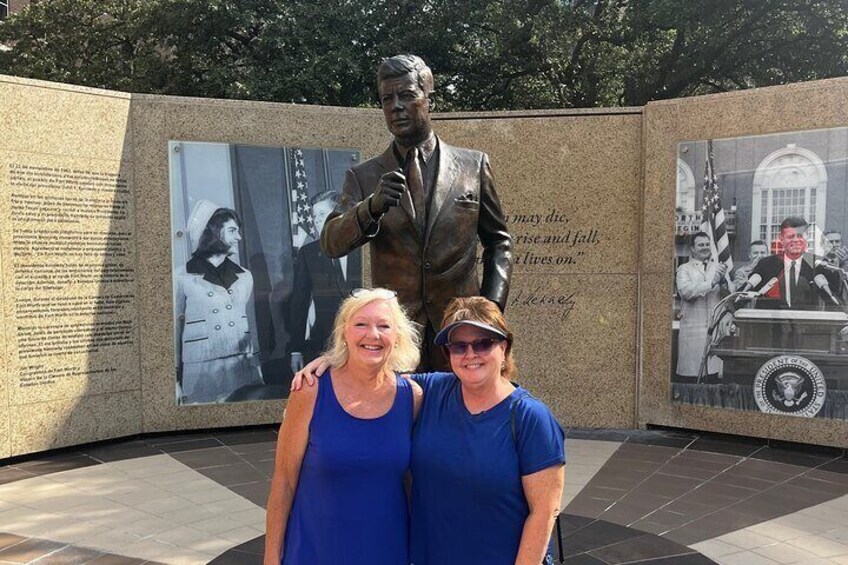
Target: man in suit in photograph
<point>318,280</point>
<point>756,251</point>
<point>837,253</point>
<point>423,205</point>
<point>797,284</point>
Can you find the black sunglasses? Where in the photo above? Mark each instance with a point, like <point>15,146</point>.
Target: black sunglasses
<point>478,346</point>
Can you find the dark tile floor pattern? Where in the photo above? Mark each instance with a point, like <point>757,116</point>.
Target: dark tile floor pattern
<point>584,541</point>
<point>711,486</point>
<point>660,491</point>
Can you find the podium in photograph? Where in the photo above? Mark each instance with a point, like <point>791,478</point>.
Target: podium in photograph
<point>794,361</point>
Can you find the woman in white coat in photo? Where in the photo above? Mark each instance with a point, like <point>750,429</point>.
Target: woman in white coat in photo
<point>217,347</point>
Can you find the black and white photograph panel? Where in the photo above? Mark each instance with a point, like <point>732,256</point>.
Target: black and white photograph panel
<point>254,295</point>
<point>761,274</point>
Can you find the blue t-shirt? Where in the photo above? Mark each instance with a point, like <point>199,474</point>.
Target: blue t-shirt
<point>468,504</point>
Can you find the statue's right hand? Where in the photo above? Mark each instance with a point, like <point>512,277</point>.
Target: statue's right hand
<point>389,191</point>
<point>312,371</point>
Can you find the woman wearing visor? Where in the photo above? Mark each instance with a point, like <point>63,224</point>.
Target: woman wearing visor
<point>487,458</point>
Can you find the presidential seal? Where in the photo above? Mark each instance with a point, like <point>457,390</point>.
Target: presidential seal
<point>790,384</point>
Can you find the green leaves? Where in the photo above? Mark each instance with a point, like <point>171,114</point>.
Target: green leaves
<point>487,54</point>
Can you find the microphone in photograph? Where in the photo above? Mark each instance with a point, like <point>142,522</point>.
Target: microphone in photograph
<point>821,282</point>
<point>744,293</point>
<point>825,264</point>
<point>753,281</point>
<point>768,286</point>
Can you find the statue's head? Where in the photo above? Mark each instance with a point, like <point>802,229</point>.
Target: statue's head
<point>401,65</point>
<point>404,84</point>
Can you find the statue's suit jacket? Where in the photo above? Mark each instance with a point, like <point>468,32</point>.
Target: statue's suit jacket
<point>428,270</point>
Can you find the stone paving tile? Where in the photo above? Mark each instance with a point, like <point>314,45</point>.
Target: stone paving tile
<point>117,560</point>
<point>57,463</point>
<point>783,553</point>
<point>211,457</point>
<point>729,445</point>
<point>68,555</point>
<point>800,537</point>
<point>639,548</point>
<point>690,559</point>
<point>596,535</point>
<point>11,474</point>
<point>746,558</point>
<point>8,540</point>
<point>235,557</point>
<point>583,559</point>
<point>29,550</point>
<point>156,527</point>
<point>188,445</point>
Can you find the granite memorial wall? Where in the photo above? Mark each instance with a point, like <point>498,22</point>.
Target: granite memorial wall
<point>91,245</point>
<point>765,143</point>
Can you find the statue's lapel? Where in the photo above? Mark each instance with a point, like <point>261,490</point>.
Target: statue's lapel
<point>444,183</point>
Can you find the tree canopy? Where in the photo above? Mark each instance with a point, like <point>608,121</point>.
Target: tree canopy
<point>486,54</point>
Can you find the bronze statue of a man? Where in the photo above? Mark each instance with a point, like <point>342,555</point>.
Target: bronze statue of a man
<point>422,205</point>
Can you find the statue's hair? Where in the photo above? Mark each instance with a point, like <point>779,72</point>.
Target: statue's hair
<point>406,354</point>
<point>401,65</point>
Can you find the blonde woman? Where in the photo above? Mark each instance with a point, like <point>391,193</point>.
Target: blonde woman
<point>337,495</point>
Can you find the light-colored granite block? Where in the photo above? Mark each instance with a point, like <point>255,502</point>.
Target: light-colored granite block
<point>72,421</point>
<point>569,184</point>
<point>67,255</point>
<point>575,345</point>
<point>50,118</point>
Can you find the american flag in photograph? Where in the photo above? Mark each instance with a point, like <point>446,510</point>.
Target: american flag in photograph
<point>712,214</point>
<point>302,218</point>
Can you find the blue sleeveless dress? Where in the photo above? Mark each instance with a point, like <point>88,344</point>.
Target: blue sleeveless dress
<point>350,504</point>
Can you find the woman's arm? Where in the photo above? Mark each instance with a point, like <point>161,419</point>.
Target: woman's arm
<point>543,491</point>
<point>417,399</point>
<point>291,446</point>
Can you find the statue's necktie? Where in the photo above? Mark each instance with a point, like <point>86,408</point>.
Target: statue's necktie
<point>415,183</point>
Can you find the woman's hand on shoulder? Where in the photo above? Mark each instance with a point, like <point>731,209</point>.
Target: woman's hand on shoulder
<point>309,373</point>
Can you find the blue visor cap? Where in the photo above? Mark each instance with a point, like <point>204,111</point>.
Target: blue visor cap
<point>443,337</point>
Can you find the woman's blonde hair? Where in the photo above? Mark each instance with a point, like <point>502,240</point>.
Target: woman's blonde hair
<point>406,353</point>
<point>481,309</point>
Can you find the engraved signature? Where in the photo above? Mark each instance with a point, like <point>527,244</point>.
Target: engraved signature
<point>565,303</point>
